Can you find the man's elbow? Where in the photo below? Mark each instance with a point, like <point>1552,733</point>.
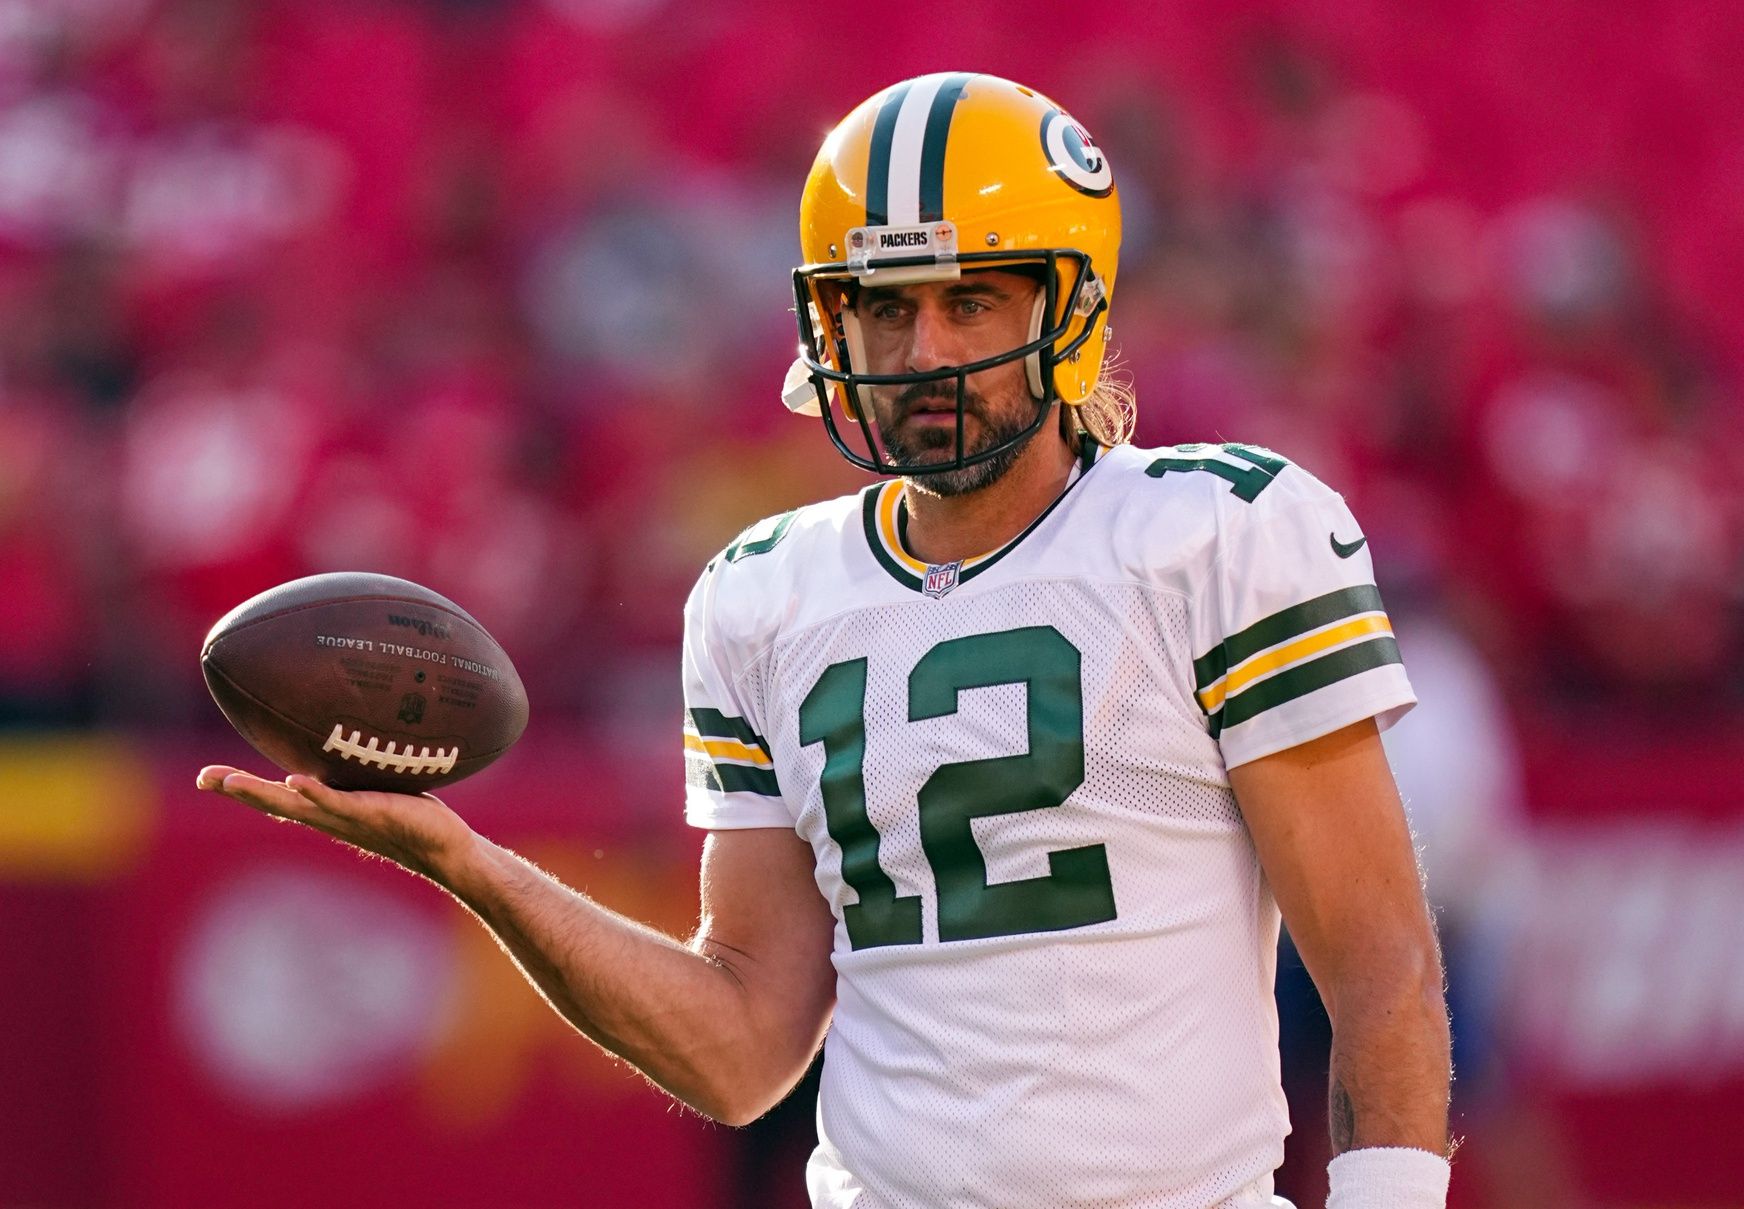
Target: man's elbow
<point>741,1103</point>
<point>739,1115</point>
<point>738,1090</point>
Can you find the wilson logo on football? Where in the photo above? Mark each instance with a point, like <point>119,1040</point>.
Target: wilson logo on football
<point>373,753</point>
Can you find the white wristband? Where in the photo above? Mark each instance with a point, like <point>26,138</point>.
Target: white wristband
<point>1388,1177</point>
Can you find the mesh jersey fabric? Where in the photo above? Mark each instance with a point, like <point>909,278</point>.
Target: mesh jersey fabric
<point>1065,998</point>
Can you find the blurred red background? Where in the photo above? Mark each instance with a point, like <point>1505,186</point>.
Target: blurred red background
<point>492,294</point>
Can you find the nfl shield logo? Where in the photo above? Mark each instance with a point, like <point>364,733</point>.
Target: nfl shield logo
<point>940,579</point>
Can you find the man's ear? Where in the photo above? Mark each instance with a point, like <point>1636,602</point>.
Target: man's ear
<point>839,295</point>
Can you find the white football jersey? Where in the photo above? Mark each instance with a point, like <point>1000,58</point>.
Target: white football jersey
<point>1054,944</point>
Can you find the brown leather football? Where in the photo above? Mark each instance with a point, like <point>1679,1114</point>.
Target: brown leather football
<point>365,682</point>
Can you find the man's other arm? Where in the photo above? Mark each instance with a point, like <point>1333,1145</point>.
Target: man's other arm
<point>727,1021</point>
<point>1332,837</point>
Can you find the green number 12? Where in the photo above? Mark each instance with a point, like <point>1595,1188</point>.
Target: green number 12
<point>1076,890</point>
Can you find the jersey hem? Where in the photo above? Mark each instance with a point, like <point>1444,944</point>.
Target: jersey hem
<point>1385,705</point>
<point>713,811</point>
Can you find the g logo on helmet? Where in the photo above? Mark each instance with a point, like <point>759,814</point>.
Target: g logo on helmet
<point>1074,156</point>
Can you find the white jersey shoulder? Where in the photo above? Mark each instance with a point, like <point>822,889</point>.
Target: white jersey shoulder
<point>753,583</point>
<point>746,596</point>
<point>1289,637</point>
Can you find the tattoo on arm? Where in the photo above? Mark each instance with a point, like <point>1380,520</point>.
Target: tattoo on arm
<point>1342,1118</point>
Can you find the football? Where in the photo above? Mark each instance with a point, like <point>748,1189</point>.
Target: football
<point>365,682</point>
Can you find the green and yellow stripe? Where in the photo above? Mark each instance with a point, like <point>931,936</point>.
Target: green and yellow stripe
<point>886,521</point>
<point>724,753</point>
<point>1293,653</point>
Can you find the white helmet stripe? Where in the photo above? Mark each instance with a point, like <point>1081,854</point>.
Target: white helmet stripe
<point>903,200</point>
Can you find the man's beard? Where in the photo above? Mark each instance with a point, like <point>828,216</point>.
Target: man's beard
<point>905,454</point>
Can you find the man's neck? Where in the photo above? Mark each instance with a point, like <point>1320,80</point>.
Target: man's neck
<point>949,528</point>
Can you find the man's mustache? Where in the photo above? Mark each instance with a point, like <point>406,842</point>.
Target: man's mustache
<point>911,399</point>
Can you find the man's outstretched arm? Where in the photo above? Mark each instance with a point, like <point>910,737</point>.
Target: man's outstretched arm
<point>726,1022</point>
<point>1332,837</point>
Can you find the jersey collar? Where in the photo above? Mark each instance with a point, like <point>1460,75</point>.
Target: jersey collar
<point>884,514</point>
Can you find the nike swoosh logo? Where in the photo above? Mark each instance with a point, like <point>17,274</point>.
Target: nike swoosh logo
<point>1345,551</point>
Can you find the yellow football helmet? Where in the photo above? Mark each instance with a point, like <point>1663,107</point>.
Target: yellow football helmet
<point>933,177</point>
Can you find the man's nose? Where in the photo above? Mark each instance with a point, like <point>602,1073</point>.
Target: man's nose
<point>934,344</point>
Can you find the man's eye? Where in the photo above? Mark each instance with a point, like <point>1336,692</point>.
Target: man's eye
<point>886,310</point>
<point>971,306</point>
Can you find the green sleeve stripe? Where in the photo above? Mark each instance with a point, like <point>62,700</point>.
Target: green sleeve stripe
<point>712,724</point>
<point>1285,624</point>
<point>738,778</point>
<point>731,778</point>
<point>1305,679</point>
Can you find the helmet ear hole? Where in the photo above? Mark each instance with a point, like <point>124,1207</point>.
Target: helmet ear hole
<point>1032,364</point>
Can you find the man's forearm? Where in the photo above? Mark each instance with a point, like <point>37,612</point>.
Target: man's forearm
<point>727,1024</point>
<point>672,1011</point>
<point>1391,1066</point>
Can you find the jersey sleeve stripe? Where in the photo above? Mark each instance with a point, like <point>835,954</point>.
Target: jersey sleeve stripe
<point>724,754</point>
<point>1281,626</point>
<point>738,778</point>
<point>730,778</point>
<point>712,724</point>
<point>698,771</point>
<point>726,749</point>
<point>1299,651</point>
<point>1305,678</point>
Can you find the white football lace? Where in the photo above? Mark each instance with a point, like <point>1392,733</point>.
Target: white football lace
<point>389,757</point>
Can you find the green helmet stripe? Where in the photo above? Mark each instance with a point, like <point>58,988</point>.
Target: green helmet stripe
<point>878,160</point>
<point>932,155</point>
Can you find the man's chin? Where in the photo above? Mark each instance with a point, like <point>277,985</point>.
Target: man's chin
<point>933,446</point>
<point>933,457</point>
<point>933,471</point>
<point>936,431</point>
<point>914,446</point>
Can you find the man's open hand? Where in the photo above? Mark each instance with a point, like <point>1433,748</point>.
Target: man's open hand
<point>415,832</point>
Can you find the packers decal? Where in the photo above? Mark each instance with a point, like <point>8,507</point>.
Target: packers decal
<point>1074,156</point>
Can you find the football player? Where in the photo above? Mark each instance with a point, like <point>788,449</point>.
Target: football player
<point>1009,762</point>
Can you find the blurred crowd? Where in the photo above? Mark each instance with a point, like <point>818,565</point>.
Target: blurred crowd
<point>494,295</point>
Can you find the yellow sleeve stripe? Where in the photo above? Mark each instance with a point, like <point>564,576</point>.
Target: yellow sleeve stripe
<point>726,749</point>
<point>1278,658</point>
